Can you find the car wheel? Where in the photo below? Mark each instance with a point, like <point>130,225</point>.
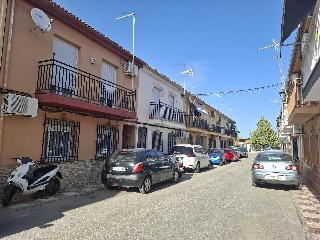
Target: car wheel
<point>209,166</point>
<point>146,186</point>
<point>197,169</point>
<point>175,177</point>
<point>298,187</point>
<point>255,184</point>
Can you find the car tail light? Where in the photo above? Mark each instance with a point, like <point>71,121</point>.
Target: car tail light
<point>292,167</point>
<point>191,155</point>
<point>137,168</point>
<point>180,165</point>
<point>257,166</point>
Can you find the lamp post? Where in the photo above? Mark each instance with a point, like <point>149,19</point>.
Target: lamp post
<point>133,23</point>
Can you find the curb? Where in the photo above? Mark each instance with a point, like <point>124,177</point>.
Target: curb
<point>20,205</point>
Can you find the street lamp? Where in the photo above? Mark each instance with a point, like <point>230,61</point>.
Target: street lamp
<point>133,23</point>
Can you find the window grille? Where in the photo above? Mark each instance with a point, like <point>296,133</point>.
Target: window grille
<point>107,141</point>
<point>190,140</point>
<point>60,140</point>
<point>171,140</point>
<point>142,137</point>
<point>157,142</point>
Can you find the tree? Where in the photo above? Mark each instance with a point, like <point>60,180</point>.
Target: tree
<point>264,136</point>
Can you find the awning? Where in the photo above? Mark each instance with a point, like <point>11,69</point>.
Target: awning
<point>293,13</point>
<point>200,108</point>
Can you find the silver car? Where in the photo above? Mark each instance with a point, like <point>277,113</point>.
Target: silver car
<point>275,167</point>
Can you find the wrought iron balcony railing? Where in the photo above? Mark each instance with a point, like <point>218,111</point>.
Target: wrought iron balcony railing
<point>197,122</point>
<point>163,111</point>
<point>59,78</point>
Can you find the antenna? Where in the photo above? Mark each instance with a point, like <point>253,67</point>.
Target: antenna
<point>188,71</point>
<point>276,47</point>
<point>41,20</point>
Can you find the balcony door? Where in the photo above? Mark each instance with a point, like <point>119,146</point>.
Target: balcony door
<point>64,68</point>
<point>108,80</point>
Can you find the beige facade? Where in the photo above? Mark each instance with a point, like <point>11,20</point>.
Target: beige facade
<point>299,122</point>
<point>83,110</point>
<point>207,126</point>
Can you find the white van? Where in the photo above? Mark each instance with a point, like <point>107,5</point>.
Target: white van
<point>193,157</point>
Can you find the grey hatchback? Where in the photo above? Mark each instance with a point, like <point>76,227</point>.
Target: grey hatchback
<point>275,167</point>
<point>138,167</point>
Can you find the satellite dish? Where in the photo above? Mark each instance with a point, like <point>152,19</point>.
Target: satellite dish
<point>41,20</point>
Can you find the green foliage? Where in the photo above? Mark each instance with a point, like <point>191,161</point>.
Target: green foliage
<point>264,136</point>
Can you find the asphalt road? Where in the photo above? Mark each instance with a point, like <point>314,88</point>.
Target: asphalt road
<point>215,204</point>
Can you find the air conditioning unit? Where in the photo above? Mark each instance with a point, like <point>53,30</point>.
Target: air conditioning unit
<point>19,105</point>
<point>127,69</point>
<point>186,134</point>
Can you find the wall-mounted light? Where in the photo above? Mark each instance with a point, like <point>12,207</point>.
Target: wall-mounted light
<point>282,95</point>
<point>93,60</point>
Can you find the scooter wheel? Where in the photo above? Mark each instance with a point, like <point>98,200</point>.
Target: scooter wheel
<point>8,195</point>
<point>53,186</point>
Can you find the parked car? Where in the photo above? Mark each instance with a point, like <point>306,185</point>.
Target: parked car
<point>216,156</point>
<point>243,152</point>
<point>192,157</point>
<point>275,167</point>
<point>138,167</point>
<point>230,155</point>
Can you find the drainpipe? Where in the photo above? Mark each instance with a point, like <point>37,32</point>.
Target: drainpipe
<point>6,62</point>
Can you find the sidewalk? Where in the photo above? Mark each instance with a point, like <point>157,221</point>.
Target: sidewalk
<point>19,205</point>
<point>307,202</point>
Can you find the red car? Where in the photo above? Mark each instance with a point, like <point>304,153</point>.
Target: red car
<point>230,155</point>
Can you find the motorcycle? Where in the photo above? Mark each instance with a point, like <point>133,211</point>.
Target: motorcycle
<point>28,181</point>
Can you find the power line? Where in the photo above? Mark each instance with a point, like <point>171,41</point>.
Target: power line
<point>220,94</point>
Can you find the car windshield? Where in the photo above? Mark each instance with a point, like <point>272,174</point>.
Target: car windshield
<point>274,157</point>
<point>181,150</point>
<point>122,155</point>
<point>214,150</point>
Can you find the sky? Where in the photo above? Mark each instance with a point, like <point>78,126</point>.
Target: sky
<point>219,40</point>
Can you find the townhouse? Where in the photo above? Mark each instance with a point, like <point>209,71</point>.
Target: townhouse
<point>65,95</point>
<point>298,121</point>
<point>70,95</point>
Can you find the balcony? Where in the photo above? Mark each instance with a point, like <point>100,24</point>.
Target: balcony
<point>193,121</point>
<point>163,111</point>
<point>310,67</point>
<point>298,112</point>
<point>61,86</point>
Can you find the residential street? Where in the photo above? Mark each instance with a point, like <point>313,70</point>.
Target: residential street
<point>215,204</point>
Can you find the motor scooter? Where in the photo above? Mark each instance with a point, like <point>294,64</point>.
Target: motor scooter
<point>25,180</point>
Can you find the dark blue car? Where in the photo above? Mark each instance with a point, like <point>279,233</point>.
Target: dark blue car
<point>216,156</point>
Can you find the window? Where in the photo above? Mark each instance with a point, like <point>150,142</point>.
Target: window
<point>157,140</point>
<point>107,141</point>
<point>61,140</point>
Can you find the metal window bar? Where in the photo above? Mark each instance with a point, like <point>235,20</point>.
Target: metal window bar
<point>60,140</point>
<point>171,140</point>
<point>142,137</point>
<point>62,79</point>
<point>107,141</point>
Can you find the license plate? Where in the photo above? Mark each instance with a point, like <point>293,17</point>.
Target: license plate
<point>277,177</point>
<point>118,168</point>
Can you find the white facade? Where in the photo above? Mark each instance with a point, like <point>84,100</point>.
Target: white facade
<point>160,109</point>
